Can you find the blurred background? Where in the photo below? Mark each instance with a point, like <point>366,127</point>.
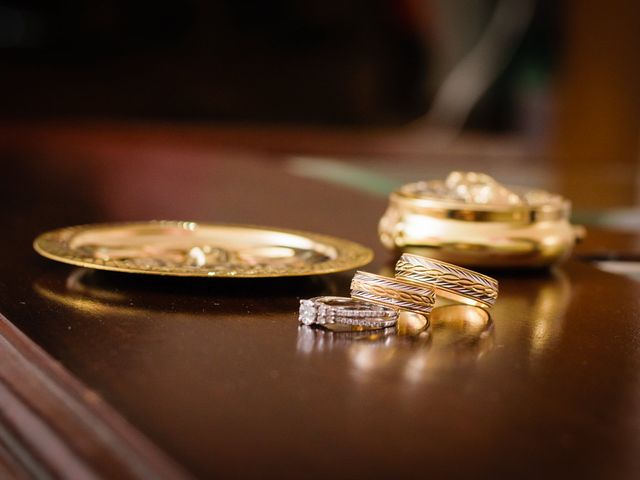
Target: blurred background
<point>369,94</point>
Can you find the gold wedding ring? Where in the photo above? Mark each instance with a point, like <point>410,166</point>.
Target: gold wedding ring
<point>396,293</point>
<point>449,281</point>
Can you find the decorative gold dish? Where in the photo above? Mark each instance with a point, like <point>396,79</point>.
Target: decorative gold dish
<point>470,219</point>
<point>201,250</point>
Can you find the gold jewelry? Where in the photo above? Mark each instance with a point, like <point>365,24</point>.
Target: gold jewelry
<point>449,281</point>
<point>345,311</point>
<point>392,292</point>
<point>471,219</point>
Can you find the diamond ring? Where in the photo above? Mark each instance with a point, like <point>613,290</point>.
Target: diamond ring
<point>449,281</point>
<point>345,311</point>
<point>395,293</point>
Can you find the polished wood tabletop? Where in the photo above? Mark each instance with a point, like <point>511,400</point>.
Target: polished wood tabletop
<point>218,375</point>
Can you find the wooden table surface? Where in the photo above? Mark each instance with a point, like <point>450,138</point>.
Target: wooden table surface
<point>219,377</point>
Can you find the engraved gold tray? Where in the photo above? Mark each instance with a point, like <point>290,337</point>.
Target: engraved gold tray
<point>193,249</point>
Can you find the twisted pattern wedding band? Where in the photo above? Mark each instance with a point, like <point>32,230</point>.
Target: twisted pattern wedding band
<point>345,311</point>
<point>449,281</point>
<point>392,292</point>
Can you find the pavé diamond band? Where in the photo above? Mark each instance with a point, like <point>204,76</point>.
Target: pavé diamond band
<point>449,281</point>
<point>394,293</point>
<point>345,311</point>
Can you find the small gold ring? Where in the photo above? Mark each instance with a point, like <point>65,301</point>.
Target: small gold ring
<point>449,281</point>
<point>393,292</point>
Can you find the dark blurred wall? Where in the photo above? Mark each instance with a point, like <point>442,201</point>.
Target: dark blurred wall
<point>335,61</point>
<point>331,61</point>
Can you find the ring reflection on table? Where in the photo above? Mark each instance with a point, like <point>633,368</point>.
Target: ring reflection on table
<point>418,349</point>
<point>318,339</point>
<point>458,336</point>
<point>546,300</point>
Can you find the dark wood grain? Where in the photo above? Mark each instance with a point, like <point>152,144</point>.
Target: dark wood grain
<point>219,376</point>
<point>53,426</point>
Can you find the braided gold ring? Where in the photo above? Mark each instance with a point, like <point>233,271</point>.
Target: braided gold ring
<point>449,281</point>
<point>396,293</point>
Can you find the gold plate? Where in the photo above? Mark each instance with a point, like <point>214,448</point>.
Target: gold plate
<point>191,249</point>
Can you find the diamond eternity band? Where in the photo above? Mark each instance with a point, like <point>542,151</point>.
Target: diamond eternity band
<point>346,311</point>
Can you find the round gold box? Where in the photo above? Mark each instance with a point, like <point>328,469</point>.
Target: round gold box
<point>470,219</point>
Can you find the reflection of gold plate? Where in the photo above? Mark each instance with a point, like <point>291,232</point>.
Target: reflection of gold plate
<point>201,250</point>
